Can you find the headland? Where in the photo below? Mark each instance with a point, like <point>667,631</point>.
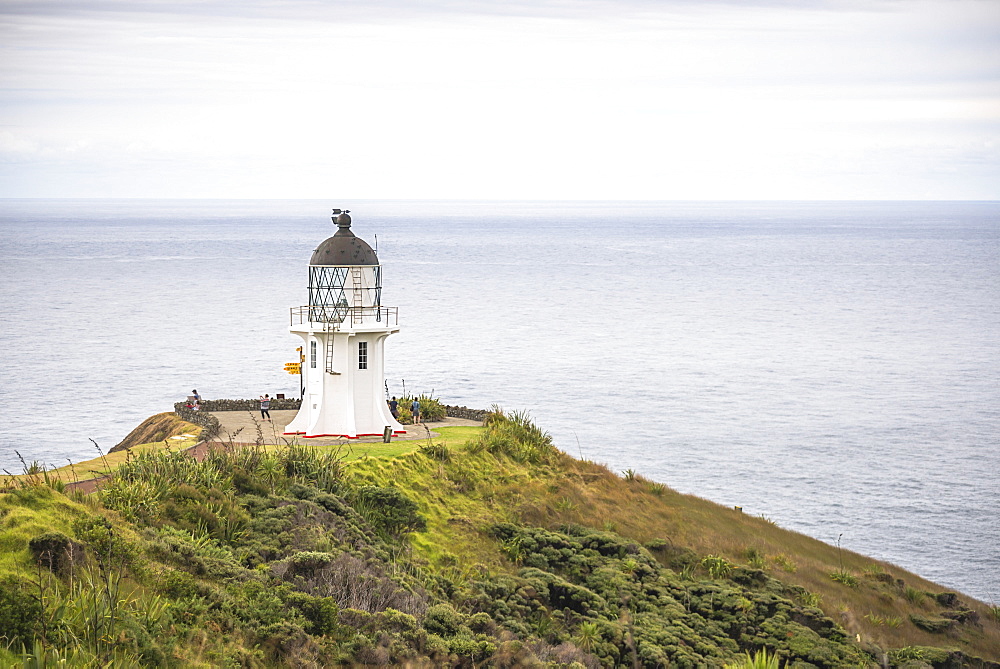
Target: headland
<point>474,544</point>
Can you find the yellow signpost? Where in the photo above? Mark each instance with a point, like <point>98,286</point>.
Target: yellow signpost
<point>293,367</point>
<point>302,358</point>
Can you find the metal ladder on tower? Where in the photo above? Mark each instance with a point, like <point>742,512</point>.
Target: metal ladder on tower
<point>328,354</point>
<point>357,301</point>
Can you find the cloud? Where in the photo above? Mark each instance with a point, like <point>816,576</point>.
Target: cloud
<point>399,8</point>
<point>568,99</point>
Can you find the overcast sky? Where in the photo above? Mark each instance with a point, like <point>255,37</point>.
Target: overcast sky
<point>568,99</point>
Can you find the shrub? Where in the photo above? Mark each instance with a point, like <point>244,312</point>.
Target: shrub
<point>388,510</point>
<point>914,596</point>
<point>443,620</point>
<point>932,624</point>
<point>565,504</point>
<point>354,584</point>
<point>875,619</point>
<point>111,548</point>
<point>588,635</point>
<point>397,621</point>
<point>323,469</point>
<point>482,623</point>
<point>476,648</point>
<point>810,598</point>
<point>656,545</point>
<point>948,600</point>
<point>716,566</point>
<point>846,578</point>
<point>246,483</point>
<point>319,612</point>
<point>287,643</point>
<point>784,563</point>
<point>907,653</point>
<point>873,570</point>
<point>182,585</point>
<point>516,436</point>
<point>20,613</point>
<point>431,409</point>
<point>307,563</point>
<point>56,551</point>
<point>135,499</point>
<point>439,452</point>
<point>755,558</point>
<point>759,660</point>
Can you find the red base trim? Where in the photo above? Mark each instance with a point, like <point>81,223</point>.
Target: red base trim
<point>342,436</point>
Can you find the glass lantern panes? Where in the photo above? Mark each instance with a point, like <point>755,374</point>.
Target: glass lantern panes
<point>327,300</point>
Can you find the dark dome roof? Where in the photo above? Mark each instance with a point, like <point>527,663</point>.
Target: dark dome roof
<point>344,248</point>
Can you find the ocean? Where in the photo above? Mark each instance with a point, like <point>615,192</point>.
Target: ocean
<point>833,366</point>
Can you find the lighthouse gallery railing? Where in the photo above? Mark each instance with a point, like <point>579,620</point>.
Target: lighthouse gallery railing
<point>335,316</point>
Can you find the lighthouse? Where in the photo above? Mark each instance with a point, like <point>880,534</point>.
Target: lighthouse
<point>343,328</point>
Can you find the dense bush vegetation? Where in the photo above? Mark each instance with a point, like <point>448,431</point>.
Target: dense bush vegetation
<point>431,409</point>
<point>288,557</point>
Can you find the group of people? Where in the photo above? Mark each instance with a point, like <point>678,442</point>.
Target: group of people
<point>414,409</point>
<point>194,401</point>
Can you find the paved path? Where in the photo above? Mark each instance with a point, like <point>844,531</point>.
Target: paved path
<point>242,426</point>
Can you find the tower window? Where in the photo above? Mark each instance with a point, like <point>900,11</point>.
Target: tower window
<point>312,354</point>
<point>362,355</point>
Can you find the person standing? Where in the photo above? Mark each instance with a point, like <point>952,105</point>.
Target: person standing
<point>415,410</point>
<point>196,396</point>
<point>394,407</point>
<point>265,407</point>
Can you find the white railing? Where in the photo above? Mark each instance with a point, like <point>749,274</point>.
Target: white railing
<point>336,317</point>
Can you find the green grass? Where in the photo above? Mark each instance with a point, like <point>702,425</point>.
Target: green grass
<point>99,466</point>
<point>8,659</point>
<point>27,513</point>
<point>452,437</point>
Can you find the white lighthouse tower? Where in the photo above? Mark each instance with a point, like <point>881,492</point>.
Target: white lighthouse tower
<point>343,329</point>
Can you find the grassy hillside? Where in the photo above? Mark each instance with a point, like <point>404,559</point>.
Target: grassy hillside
<point>486,546</point>
<point>157,429</point>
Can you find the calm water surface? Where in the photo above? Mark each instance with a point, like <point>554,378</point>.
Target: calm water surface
<point>833,366</point>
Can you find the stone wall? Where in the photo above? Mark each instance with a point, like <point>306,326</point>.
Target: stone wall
<point>245,405</point>
<point>210,425</point>
<point>465,412</point>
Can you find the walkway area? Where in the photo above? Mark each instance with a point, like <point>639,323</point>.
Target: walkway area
<point>242,426</point>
